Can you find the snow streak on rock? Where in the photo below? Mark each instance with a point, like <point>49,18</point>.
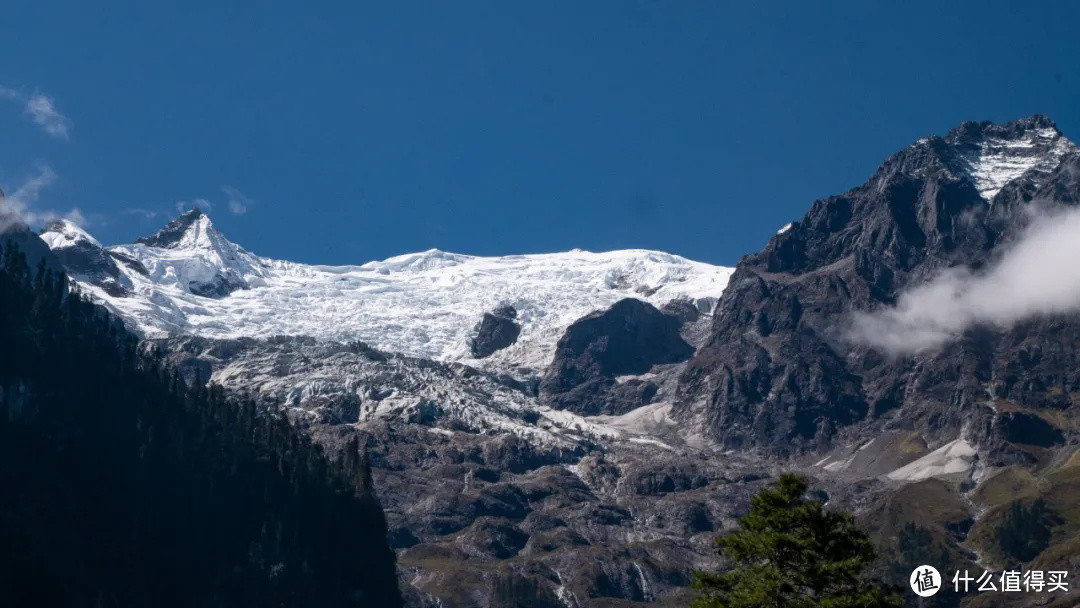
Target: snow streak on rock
<point>1000,160</point>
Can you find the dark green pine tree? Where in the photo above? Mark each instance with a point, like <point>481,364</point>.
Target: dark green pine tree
<point>120,485</point>
<point>1026,531</point>
<point>789,552</point>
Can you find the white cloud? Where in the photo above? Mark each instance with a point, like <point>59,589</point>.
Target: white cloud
<point>30,190</point>
<point>44,113</point>
<point>195,203</point>
<point>21,204</point>
<point>1038,275</point>
<point>238,203</point>
<point>42,110</point>
<point>75,216</point>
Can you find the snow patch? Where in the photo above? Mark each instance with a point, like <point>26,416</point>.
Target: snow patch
<point>646,420</point>
<point>953,457</point>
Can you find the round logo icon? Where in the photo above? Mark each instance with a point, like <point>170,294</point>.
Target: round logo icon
<point>925,581</point>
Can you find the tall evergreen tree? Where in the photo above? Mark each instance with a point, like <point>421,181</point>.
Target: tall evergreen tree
<point>122,486</point>
<point>789,552</point>
<point>1026,530</point>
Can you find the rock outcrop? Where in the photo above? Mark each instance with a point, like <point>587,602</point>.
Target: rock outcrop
<point>497,330</point>
<point>627,339</point>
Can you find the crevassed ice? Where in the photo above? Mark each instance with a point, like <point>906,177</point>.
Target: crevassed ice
<point>423,304</point>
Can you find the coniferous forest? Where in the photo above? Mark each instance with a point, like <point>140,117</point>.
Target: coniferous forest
<point>122,486</point>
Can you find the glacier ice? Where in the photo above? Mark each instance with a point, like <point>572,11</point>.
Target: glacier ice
<point>420,304</point>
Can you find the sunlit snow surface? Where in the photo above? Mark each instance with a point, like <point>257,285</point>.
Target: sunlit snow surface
<point>63,233</point>
<point>423,304</point>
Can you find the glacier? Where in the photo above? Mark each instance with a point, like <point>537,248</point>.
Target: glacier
<point>189,279</point>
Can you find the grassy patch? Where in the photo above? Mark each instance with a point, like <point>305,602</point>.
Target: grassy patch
<point>1006,485</point>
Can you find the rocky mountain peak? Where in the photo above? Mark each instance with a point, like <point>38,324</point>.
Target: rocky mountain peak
<point>985,155</point>
<point>973,132</point>
<point>947,199</point>
<point>993,155</point>
<point>778,369</point>
<point>192,230</point>
<point>192,254</point>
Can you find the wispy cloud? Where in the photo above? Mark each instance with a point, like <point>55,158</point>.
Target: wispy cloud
<point>44,113</point>
<point>30,190</point>
<point>21,205</point>
<point>1038,275</point>
<point>42,110</point>
<point>146,214</point>
<point>238,203</point>
<point>235,201</point>
<point>195,203</point>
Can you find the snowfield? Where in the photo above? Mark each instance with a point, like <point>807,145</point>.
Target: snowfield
<point>422,304</point>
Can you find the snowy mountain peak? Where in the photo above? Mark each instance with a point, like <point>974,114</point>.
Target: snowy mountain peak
<point>192,230</point>
<point>61,234</point>
<point>189,279</point>
<point>191,254</point>
<point>993,155</point>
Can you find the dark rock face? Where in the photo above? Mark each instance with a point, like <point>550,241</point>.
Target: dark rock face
<point>496,331</point>
<point>1029,429</point>
<point>171,234</point>
<point>683,310</point>
<point>627,339</point>
<point>218,287</point>
<point>89,262</point>
<point>779,371</point>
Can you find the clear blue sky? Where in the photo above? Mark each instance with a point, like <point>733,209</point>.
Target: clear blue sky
<point>360,130</point>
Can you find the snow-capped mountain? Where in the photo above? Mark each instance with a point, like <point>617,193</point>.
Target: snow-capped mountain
<point>998,156</point>
<point>992,156</point>
<point>520,412</point>
<point>189,279</point>
<point>955,202</point>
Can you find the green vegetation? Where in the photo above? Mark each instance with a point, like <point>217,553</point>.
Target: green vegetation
<point>1034,518</point>
<point>514,591</point>
<point>1026,531</point>
<point>1006,485</point>
<point>791,553</point>
<point>122,486</point>
<point>916,546</point>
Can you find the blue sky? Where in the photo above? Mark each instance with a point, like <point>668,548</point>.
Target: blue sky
<point>354,131</point>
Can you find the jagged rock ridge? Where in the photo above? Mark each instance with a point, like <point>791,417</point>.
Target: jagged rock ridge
<point>778,371</point>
